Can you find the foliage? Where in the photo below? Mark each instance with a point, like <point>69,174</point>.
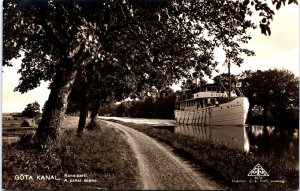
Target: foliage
<point>277,91</point>
<point>161,106</point>
<point>29,123</point>
<point>149,45</point>
<point>108,109</point>
<point>223,80</point>
<point>31,110</point>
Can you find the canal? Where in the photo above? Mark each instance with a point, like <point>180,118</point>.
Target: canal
<point>260,140</point>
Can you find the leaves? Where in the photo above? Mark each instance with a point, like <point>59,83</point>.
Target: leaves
<point>275,90</point>
<point>278,5</point>
<point>134,47</point>
<point>31,110</point>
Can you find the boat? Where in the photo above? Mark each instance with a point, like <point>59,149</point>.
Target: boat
<point>212,105</point>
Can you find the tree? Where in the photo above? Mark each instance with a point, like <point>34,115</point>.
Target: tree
<point>31,110</point>
<point>223,81</point>
<point>57,45</point>
<point>160,106</point>
<point>61,38</point>
<point>276,91</point>
<point>164,105</point>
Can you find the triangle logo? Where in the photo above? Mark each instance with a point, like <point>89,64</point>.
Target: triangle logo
<point>258,170</point>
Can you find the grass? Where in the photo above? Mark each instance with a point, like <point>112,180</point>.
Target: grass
<point>15,122</point>
<point>224,164</point>
<point>101,155</point>
<point>12,127</point>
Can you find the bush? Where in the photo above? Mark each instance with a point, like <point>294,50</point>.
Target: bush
<point>28,123</point>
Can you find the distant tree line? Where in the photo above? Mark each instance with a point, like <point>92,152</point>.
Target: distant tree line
<point>150,107</point>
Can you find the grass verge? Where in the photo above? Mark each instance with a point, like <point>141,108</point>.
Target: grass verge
<point>97,160</point>
<point>226,165</point>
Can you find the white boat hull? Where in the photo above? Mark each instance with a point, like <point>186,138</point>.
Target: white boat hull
<point>231,113</point>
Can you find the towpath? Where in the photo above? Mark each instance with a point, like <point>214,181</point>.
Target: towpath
<point>159,168</point>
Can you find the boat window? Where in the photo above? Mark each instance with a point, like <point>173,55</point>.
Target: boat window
<point>213,101</point>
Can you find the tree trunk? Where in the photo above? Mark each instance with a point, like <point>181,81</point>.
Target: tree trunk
<point>94,116</point>
<point>84,105</point>
<point>56,105</point>
<point>83,110</point>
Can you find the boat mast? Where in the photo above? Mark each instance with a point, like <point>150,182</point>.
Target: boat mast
<point>229,76</point>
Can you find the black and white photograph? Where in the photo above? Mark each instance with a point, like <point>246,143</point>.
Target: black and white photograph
<point>150,94</point>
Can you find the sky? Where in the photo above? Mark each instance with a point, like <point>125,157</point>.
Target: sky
<point>280,50</point>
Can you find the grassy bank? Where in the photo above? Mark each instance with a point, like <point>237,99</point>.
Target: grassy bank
<point>226,165</point>
<point>101,157</point>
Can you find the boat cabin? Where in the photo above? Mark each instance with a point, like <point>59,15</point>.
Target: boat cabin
<point>201,97</point>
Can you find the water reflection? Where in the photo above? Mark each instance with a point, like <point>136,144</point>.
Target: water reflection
<point>255,139</point>
<point>258,130</point>
<point>233,136</point>
<point>265,139</point>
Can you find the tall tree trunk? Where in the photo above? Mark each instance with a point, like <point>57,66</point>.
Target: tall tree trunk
<point>83,109</point>
<point>94,116</point>
<point>56,105</point>
<point>84,105</point>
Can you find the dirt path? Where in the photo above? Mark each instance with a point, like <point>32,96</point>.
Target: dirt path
<point>159,168</point>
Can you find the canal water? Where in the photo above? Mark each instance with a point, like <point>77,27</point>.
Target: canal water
<point>248,138</point>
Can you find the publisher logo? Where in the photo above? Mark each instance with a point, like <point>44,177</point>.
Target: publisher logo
<point>258,170</point>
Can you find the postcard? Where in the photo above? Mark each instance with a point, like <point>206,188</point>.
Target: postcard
<point>150,95</point>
